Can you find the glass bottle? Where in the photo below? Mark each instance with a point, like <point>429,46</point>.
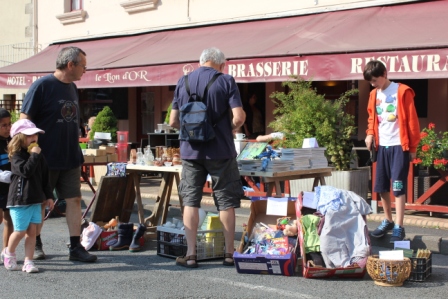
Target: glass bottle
<point>149,157</point>
<point>140,160</point>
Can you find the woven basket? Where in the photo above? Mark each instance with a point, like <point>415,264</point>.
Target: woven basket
<point>388,273</point>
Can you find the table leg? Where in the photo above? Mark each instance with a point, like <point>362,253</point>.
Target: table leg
<point>162,200</point>
<point>322,181</point>
<point>278,189</point>
<point>177,178</point>
<point>135,177</point>
<point>168,198</point>
<point>317,180</point>
<point>92,174</point>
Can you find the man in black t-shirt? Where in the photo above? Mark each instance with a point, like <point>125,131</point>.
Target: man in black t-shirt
<point>52,104</point>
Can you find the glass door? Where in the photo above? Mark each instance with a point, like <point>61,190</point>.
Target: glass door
<point>147,112</point>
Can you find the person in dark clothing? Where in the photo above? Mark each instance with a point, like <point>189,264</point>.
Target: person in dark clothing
<point>216,157</point>
<point>30,187</point>
<point>5,175</point>
<point>254,125</point>
<point>52,103</point>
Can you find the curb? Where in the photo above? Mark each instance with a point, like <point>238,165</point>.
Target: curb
<point>413,221</point>
<point>434,243</point>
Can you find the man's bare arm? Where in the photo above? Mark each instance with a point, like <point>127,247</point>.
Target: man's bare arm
<point>174,119</point>
<point>239,117</point>
<point>24,116</point>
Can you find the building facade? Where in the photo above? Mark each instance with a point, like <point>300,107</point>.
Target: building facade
<point>137,49</point>
<point>18,41</point>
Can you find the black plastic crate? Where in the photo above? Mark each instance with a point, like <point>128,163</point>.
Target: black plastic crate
<point>421,268</point>
<point>173,243</point>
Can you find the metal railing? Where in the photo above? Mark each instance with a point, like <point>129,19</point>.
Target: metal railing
<point>10,54</point>
<point>11,105</point>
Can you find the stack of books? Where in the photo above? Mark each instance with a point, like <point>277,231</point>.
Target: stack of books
<point>275,165</point>
<point>299,158</point>
<point>318,159</point>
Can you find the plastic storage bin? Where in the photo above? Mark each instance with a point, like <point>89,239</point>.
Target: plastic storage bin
<point>172,243</point>
<point>122,137</point>
<point>421,268</point>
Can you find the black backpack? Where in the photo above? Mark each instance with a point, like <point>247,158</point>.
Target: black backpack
<point>195,126</point>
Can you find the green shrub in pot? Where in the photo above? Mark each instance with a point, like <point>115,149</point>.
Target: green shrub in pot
<point>303,113</point>
<point>105,122</point>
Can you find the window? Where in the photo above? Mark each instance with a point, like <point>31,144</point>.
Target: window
<point>76,5</point>
<point>135,6</point>
<point>73,12</point>
<point>10,103</point>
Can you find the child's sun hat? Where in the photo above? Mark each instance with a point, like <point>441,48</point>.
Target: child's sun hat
<point>25,126</point>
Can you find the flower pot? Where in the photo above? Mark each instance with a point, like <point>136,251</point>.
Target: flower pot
<point>356,180</point>
<point>423,183</point>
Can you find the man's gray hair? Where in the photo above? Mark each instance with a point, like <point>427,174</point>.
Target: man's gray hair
<point>212,54</point>
<point>68,54</point>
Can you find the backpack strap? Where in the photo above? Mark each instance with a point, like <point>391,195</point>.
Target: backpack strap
<point>204,97</point>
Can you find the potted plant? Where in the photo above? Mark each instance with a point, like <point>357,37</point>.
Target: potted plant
<point>303,113</point>
<point>432,149</point>
<point>432,162</point>
<point>105,122</point>
<point>168,113</point>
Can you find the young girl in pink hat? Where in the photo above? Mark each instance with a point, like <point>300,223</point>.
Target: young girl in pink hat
<point>28,190</point>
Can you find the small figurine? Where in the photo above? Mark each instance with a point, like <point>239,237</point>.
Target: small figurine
<point>291,229</point>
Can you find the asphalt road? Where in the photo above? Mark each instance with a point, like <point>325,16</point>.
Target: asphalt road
<point>122,274</point>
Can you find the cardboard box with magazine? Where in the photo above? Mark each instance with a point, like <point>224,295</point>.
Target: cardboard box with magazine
<point>265,263</point>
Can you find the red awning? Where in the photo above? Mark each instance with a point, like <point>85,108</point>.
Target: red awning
<point>325,46</point>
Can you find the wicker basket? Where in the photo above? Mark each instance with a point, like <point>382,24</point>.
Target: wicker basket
<point>388,273</point>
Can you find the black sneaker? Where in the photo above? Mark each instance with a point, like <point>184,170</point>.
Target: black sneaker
<point>38,251</point>
<point>381,230</point>
<point>398,234</point>
<point>80,254</point>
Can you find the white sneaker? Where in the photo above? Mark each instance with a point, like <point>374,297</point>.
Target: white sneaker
<point>29,267</point>
<point>9,261</point>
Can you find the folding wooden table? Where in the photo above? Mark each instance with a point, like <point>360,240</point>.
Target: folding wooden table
<point>275,178</point>
<point>170,174</point>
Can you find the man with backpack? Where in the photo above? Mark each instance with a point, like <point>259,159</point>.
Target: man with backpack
<point>201,105</point>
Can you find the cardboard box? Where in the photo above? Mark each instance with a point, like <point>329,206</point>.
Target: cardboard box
<point>108,238</point>
<point>95,152</point>
<point>101,159</point>
<point>89,159</point>
<point>321,272</point>
<point>261,263</point>
<point>112,158</point>
<point>108,149</point>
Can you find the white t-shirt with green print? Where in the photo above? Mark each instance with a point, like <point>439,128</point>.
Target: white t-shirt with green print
<point>386,109</point>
